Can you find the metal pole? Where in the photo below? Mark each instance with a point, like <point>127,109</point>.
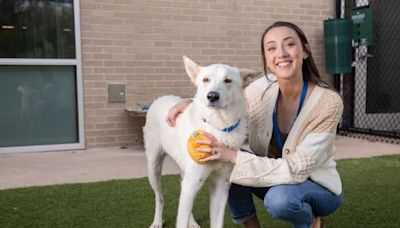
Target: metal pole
<point>336,77</point>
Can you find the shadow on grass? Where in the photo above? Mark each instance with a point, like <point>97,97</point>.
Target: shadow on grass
<point>371,189</point>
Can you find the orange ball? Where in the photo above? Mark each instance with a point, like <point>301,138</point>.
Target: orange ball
<point>192,146</point>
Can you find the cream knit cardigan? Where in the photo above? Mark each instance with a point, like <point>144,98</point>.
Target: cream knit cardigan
<point>309,148</point>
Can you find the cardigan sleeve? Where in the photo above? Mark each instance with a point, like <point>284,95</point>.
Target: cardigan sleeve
<point>309,154</point>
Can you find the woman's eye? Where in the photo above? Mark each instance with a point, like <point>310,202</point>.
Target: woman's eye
<point>271,49</point>
<point>206,80</point>
<point>227,80</point>
<point>290,44</point>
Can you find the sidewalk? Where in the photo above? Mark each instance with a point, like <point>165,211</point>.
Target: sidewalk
<point>101,164</point>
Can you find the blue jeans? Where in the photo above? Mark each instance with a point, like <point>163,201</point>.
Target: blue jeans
<point>294,203</point>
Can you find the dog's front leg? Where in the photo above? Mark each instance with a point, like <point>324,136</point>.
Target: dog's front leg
<point>192,181</point>
<point>219,190</point>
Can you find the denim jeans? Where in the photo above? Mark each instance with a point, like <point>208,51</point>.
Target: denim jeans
<point>294,203</point>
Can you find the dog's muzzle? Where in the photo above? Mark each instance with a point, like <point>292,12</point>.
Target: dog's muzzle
<point>213,96</point>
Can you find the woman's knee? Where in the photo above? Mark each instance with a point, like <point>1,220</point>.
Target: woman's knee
<point>280,204</point>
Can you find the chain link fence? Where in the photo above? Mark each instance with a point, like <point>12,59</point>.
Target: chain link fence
<point>371,93</point>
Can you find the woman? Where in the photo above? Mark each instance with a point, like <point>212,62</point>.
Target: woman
<point>292,127</point>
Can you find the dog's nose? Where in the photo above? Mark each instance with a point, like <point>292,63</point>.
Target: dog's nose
<point>213,96</point>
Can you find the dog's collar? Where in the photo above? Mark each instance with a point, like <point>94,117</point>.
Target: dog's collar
<point>227,129</point>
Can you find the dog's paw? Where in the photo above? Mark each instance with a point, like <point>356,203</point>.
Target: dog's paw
<point>194,225</point>
<point>157,224</point>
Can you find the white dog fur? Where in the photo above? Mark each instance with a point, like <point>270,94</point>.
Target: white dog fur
<point>206,114</point>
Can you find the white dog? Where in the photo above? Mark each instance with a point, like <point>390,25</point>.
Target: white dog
<point>218,108</point>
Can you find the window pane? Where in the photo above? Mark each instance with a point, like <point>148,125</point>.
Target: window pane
<point>38,105</point>
<point>37,29</point>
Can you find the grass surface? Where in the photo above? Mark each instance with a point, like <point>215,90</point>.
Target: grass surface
<point>371,186</point>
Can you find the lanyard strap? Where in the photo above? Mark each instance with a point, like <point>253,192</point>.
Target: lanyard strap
<point>277,133</point>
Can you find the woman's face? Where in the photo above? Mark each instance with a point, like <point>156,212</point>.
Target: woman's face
<point>284,52</point>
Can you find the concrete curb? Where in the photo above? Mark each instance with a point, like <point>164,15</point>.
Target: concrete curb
<point>102,164</point>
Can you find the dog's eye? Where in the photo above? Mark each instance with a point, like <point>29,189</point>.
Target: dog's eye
<point>206,80</point>
<point>227,80</point>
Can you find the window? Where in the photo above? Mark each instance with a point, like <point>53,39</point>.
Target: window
<point>40,76</point>
<point>37,29</point>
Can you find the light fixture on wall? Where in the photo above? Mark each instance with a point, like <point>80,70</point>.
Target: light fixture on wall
<point>7,27</point>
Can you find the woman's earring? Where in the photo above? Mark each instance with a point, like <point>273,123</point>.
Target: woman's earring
<point>305,56</point>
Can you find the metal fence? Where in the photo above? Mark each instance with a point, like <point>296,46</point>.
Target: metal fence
<point>371,93</point>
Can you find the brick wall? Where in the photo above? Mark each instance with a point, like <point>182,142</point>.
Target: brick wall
<point>141,43</point>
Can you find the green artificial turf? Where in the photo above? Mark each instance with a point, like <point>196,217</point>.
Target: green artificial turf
<point>371,186</point>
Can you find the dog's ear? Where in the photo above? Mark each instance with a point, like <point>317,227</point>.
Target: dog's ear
<point>192,68</point>
<point>249,76</point>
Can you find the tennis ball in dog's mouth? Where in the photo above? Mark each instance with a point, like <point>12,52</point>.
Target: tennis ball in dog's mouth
<point>192,146</point>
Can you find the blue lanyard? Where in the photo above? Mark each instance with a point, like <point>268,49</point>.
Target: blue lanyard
<point>277,133</point>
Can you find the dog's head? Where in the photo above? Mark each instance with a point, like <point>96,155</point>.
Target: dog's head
<point>218,85</point>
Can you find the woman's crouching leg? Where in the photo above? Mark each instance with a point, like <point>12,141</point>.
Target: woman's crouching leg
<point>300,203</point>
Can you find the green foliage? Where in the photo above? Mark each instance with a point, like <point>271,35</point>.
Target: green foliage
<point>371,189</point>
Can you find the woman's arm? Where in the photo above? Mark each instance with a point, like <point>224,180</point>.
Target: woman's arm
<point>177,109</point>
<point>308,155</point>
<point>313,151</point>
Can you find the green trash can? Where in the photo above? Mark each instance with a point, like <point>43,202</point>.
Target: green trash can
<point>338,49</point>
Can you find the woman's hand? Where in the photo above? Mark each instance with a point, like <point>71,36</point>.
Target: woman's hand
<point>217,150</point>
<point>177,109</point>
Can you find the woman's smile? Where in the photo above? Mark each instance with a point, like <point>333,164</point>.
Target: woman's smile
<point>284,63</point>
